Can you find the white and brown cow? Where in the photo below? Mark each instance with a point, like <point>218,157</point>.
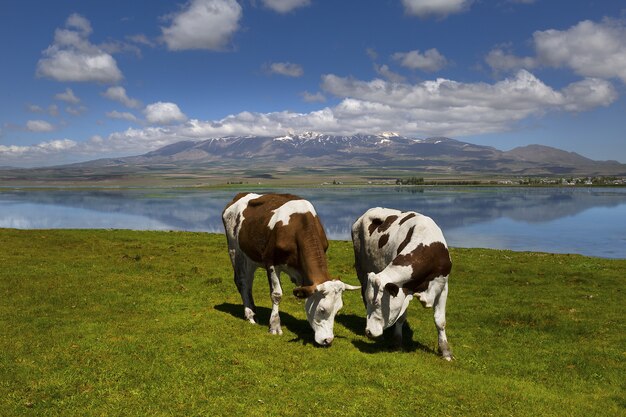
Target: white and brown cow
<point>399,256</point>
<point>282,233</point>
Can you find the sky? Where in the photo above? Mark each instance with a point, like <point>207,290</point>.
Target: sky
<point>85,79</point>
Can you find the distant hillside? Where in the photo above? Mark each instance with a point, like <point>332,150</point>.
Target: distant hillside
<point>298,157</point>
<point>436,155</point>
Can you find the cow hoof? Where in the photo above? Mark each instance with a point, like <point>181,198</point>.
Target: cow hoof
<point>250,316</point>
<point>278,331</point>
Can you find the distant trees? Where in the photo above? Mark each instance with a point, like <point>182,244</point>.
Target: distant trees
<point>410,181</point>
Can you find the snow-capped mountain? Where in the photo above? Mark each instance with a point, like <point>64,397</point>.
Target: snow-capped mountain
<point>391,150</point>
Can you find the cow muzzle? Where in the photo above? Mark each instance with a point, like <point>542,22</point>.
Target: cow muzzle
<point>326,342</point>
<point>373,332</point>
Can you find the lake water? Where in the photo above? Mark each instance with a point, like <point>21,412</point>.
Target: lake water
<point>589,221</point>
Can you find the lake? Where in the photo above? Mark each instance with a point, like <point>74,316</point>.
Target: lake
<point>588,221</point>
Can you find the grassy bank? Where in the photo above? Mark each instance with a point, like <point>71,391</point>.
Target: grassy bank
<point>150,323</point>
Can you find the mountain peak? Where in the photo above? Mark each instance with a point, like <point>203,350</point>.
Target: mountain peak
<point>387,150</point>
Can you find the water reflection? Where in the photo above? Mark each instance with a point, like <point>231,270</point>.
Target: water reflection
<point>589,221</point>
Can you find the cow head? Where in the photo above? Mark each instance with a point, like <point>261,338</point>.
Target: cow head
<point>323,301</point>
<point>385,303</point>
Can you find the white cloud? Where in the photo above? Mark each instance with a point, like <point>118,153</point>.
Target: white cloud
<point>73,58</point>
<point>500,60</point>
<point>312,98</point>
<point>68,96</point>
<point>588,94</point>
<point>446,107</point>
<point>119,94</point>
<point>115,47</point>
<point>44,153</point>
<point>34,108</point>
<point>121,115</point>
<point>76,111</point>
<point>203,24</point>
<point>441,8</point>
<point>385,71</point>
<point>164,113</point>
<point>285,6</point>
<point>79,22</point>
<point>53,110</point>
<point>39,126</point>
<point>285,68</point>
<point>589,49</point>
<point>429,108</point>
<point>141,39</point>
<point>431,60</point>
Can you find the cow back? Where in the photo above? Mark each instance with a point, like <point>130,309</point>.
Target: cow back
<point>388,239</point>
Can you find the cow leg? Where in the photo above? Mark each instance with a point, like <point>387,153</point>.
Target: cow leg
<point>244,276</point>
<point>276,294</point>
<point>440,321</point>
<point>397,331</point>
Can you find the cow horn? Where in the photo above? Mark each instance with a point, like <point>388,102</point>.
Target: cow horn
<point>349,287</point>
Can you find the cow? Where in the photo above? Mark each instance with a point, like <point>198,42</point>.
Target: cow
<point>399,256</point>
<point>282,233</point>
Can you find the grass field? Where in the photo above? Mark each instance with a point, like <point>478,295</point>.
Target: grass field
<point>150,323</point>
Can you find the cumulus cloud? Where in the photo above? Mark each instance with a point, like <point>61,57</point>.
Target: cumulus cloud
<point>34,108</point>
<point>39,126</point>
<point>285,68</point>
<point>446,107</point>
<point>439,8</point>
<point>312,98</point>
<point>203,24</point>
<point>77,21</point>
<point>141,39</point>
<point>164,113</point>
<point>73,58</point>
<point>588,48</point>
<point>75,111</point>
<point>68,96</point>
<point>285,6</point>
<point>431,60</point>
<point>44,153</point>
<point>53,109</point>
<point>500,59</point>
<point>122,116</point>
<point>387,73</point>
<point>119,94</point>
<point>40,148</point>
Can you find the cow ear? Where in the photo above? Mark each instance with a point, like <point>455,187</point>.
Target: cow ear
<point>392,289</point>
<point>304,292</point>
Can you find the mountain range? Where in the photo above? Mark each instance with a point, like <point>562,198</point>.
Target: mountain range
<point>387,150</point>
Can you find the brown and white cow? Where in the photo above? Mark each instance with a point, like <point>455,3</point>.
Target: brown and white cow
<point>399,256</point>
<point>282,233</point>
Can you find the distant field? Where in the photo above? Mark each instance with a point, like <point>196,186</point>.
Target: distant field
<point>203,176</point>
<point>97,322</point>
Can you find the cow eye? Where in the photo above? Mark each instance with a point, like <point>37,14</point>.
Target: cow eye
<point>322,310</point>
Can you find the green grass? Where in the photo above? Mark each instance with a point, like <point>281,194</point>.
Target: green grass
<point>150,323</point>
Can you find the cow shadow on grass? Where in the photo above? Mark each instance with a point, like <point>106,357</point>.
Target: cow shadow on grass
<point>301,328</point>
<point>356,324</point>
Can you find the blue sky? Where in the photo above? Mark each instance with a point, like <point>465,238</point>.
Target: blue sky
<point>83,80</point>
